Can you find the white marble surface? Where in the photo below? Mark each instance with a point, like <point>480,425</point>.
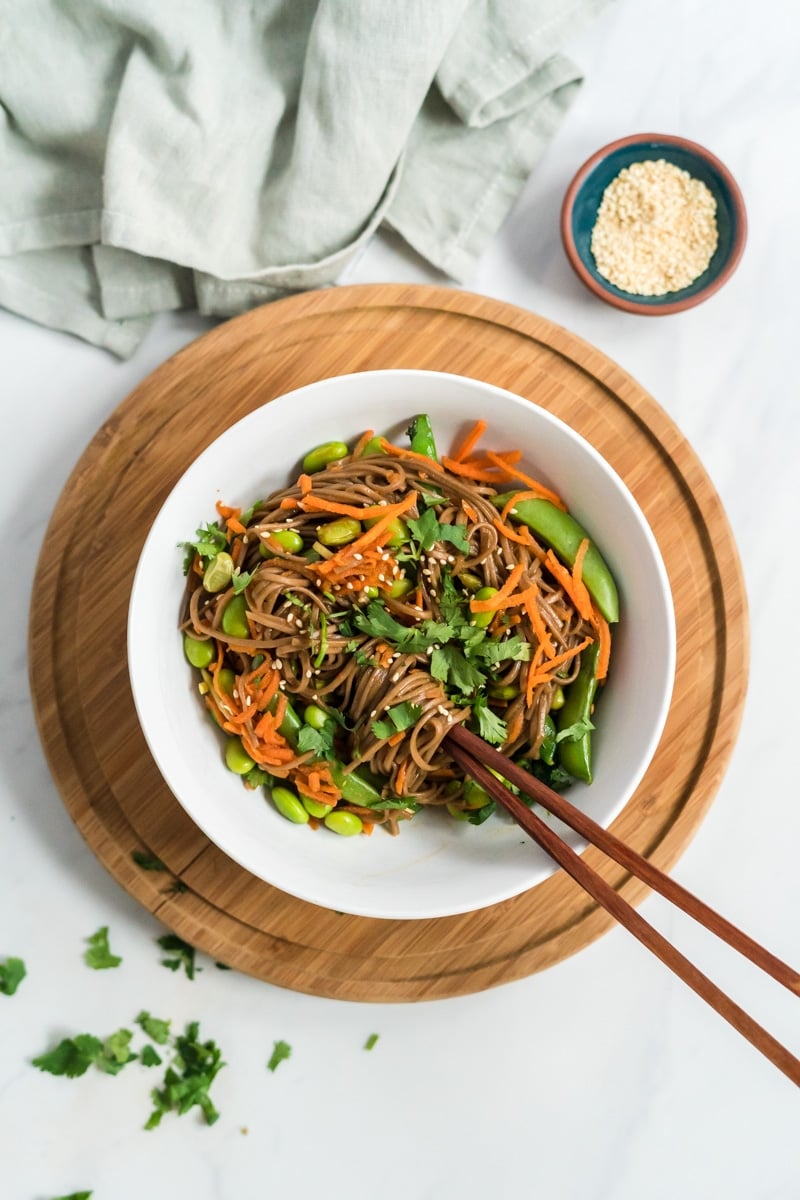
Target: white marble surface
<point>603,1078</point>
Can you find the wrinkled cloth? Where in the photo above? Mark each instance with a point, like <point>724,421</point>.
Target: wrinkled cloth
<point>216,154</point>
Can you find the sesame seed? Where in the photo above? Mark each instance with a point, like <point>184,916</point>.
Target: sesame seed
<point>396,676</point>
<point>358,557</point>
<point>308,674</point>
<point>374,712</point>
<point>278,664</point>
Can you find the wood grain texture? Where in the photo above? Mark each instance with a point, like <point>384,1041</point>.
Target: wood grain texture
<point>85,711</point>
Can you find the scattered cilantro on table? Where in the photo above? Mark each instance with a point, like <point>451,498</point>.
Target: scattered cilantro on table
<point>116,1052</point>
<point>99,956</point>
<point>154,1028</point>
<point>71,1057</point>
<point>12,973</point>
<point>150,1057</point>
<point>187,1080</point>
<point>371,1040</point>
<point>184,954</point>
<point>281,1051</point>
<point>75,1196</point>
<point>148,862</point>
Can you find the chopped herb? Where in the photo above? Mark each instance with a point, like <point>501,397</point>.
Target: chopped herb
<point>76,1196</point>
<point>12,973</point>
<point>240,580</point>
<point>479,815</point>
<point>317,741</point>
<point>371,1040</point>
<point>116,1052</point>
<point>184,954</point>
<point>495,650</point>
<point>363,660</point>
<point>323,640</point>
<point>176,888</point>
<point>257,778</point>
<point>427,530</point>
<point>491,728</point>
<point>555,777</point>
<point>281,1051</point>
<point>99,956</point>
<point>574,733</point>
<point>150,1057</point>
<point>296,601</point>
<point>389,805</point>
<point>148,862</point>
<point>71,1057</point>
<point>187,1081</point>
<point>222,966</point>
<point>452,666</point>
<point>401,717</point>
<point>209,540</point>
<point>154,1028</point>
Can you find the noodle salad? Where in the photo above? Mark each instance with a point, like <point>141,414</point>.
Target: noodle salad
<point>341,626</point>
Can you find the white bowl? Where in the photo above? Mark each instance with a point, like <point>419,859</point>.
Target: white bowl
<point>436,866</point>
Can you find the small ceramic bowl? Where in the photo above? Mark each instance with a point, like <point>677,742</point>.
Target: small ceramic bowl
<point>583,197</point>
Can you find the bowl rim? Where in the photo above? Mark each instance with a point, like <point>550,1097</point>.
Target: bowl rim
<point>634,306</point>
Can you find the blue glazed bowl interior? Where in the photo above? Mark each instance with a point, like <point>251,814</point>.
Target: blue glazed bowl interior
<point>590,193</point>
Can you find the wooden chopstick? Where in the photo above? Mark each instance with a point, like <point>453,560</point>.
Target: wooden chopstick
<point>463,747</point>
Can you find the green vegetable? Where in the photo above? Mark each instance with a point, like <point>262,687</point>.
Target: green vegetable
<point>288,539</point>
<point>400,587</point>
<point>401,717</point>
<point>420,432</point>
<point>209,541</point>
<point>320,456</point>
<point>564,534</point>
<point>470,581</point>
<point>479,815</point>
<point>288,805</point>
<point>218,573</point>
<point>116,1052</point>
<point>71,1057</point>
<point>357,787</point>
<point>148,862</point>
<point>76,1196</point>
<point>12,973</point>
<point>547,748</point>
<point>315,716</point>
<point>503,691</point>
<point>99,956</point>
<point>474,795</point>
<point>557,700</point>
<point>240,580</point>
<point>281,1051</point>
<point>457,812</point>
<point>236,757</point>
<point>323,640</point>
<point>344,823</point>
<point>187,1082</point>
<point>491,728</point>
<point>318,741</point>
<point>396,531</point>
<point>150,1057</point>
<point>314,808</point>
<point>371,1041</point>
<point>428,530</point>
<point>484,619</point>
<point>154,1028</point>
<point>373,446</point>
<point>184,955</point>
<point>199,653</point>
<point>234,618</point>
<point>575,750</point>
<point>339,533</point>
<point>225,680</point>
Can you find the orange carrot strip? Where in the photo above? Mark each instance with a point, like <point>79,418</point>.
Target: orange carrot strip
<point>399,452</point>
<point>226,511</point>
<point>289,502</point>
<point>535,618</point>
<point>400,777</point>
<point>363,442</point>
<point>373,535</point>
<point>604,638</point>
<point>514,727</point>
<point>534,485</point>
<point>469,510</point>
<point>578,598</point>
<point>396,738</point>
<point>367,827</point>
<point>318,504</point>
<point>480,474</point>
<point>512,534</point>
<point>305,483</point>
<point>577,576</point>
<point>559,660</point>
<point>530,682</point>
<point>470,441</point>
<point>494,602</point>
<point>512,503</point>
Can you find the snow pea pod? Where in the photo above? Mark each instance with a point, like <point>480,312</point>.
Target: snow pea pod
<point>420,432</point>
<point>356,786</point>
<point>564,534</point>
<point>576,756</point>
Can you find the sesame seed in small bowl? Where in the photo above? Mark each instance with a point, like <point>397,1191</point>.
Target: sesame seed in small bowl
<point>653,224</point>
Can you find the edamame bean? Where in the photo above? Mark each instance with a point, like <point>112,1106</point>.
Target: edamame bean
<point>370,592</point>
<point>225,680</point>
<point>339,533</point>
<point>236,757</point>
<point>200,653</point>
<point>288,805</point>
<point>288,540</point>
<point>503,691</point>
<point>344,823</point>
<point>558,700</point>
<point>470,581</point>
<point>314,808</point>
<point>396,531</point>
<point>400,588</point>
<point>218,573</point>
<point>484,619</point>
<point>315,716</point>
<point>475,796</point>
<point>459,814</point>
<point>320,456</point>
<point>234,618</point>
<point>564,534</point>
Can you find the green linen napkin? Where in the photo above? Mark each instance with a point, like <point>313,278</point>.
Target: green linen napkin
<point>216,154</point>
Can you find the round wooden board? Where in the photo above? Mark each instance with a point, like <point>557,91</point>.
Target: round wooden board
<point>84,707</point>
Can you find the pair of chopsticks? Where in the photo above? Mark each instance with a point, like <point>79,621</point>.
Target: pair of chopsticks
<point>475,757</point>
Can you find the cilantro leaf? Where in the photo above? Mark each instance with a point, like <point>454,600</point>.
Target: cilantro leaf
<point>318,741</point>
<point>371,1041</point>
<point>515,648</point>
<point>401,717</point>
<point>99,956</point>
<point>209,540</point>
<point>479,815</point>
<point>491,728</point>
<point>451,665</point>
<point>388,805</point>
<point>116,1052</point>
<point>154,1028</point>
<point>175,888</point>
<point>257,778</point>
<point>240,580</point>
<point>12,973</point>
<point>71,1057</point>
<point>281,1051</point>
<point>574,732</point>
<point>150,1056</point>
<point>184,954</point>
<point>428,530</point>
<point>148,862</point>
<point>555,777</point>
<point>76,1196</point>
<point>187,1081</point>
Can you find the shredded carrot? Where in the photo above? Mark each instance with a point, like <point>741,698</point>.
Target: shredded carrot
<point>418,597</point>
<point>493,603</point>
<point>363,442</point>
<point>514,727</point>
<point>226,511</point>
<point>577,578</point>
<point>554,663</point>
<point>317,504</point>
<point>604,638</point>
<point>535,617</point>
<point>346,561</point>
<point>400,777</point>
<point>305,483</point>
<point>289,502</point>
<point>513,535</point>
<point>530,682</point>
<point>317,783</point>
<point>399,452</point>
<point>470,441</point>
<point>396,738</point>
<point>534,485</point>
<point>368,827</point>
<point>580,598</point>
<point>509,457</point>
<point>480,474</point>
<point>469,510</point>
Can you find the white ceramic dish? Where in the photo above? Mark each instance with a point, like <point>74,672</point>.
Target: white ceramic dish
<point>437,866</point>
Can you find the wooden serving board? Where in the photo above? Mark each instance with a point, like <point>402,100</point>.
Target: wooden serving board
<point>84,707</point>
